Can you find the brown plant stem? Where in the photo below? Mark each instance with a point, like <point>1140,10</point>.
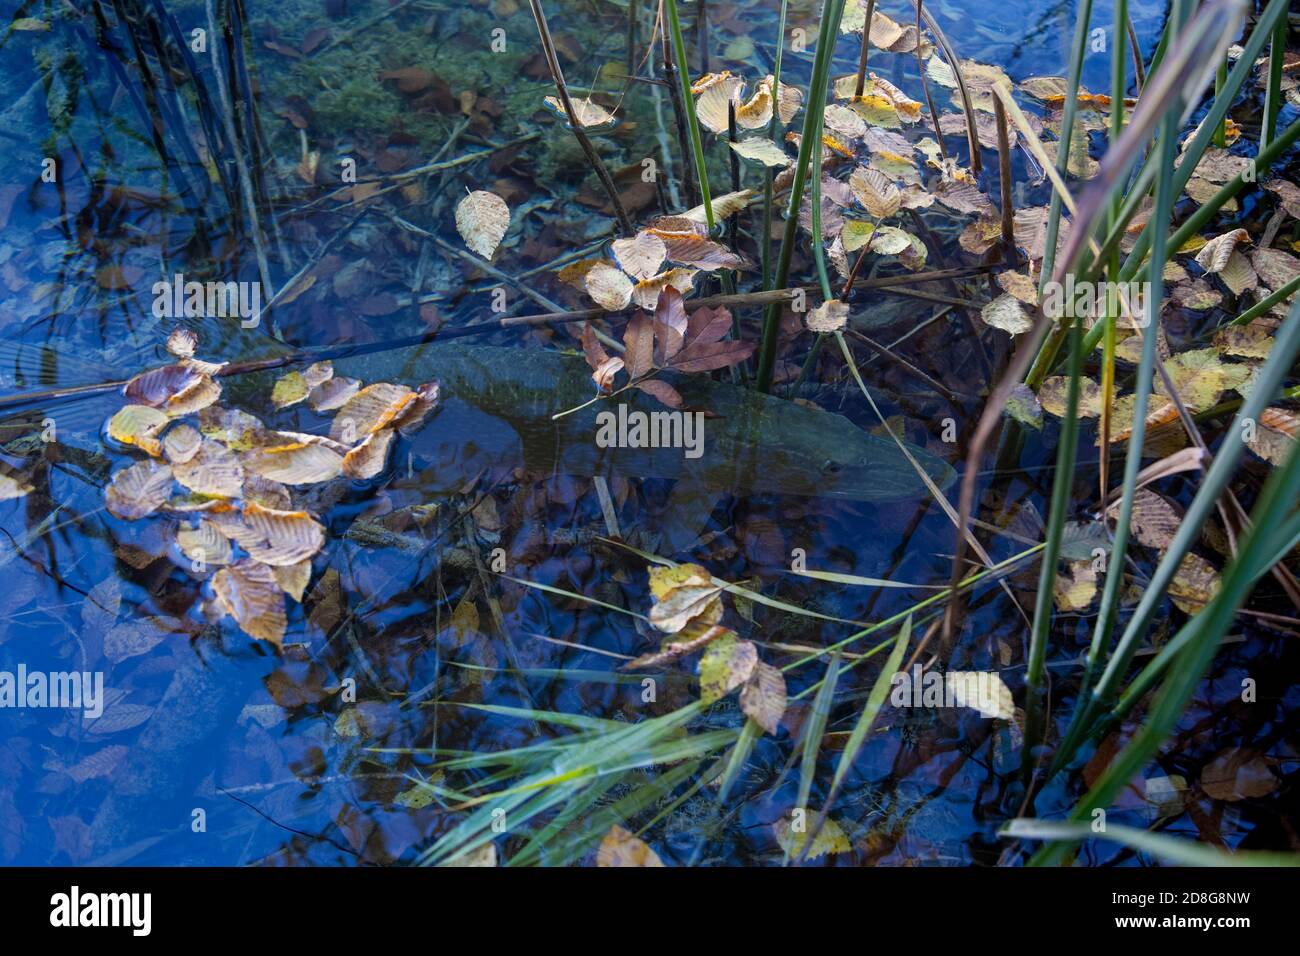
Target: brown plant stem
<point>861,84</point>
<point>553,63</point>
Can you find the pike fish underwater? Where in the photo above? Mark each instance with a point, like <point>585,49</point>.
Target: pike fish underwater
<point>498,405</point>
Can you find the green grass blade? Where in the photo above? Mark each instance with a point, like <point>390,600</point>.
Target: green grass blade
<point>1173,849</point>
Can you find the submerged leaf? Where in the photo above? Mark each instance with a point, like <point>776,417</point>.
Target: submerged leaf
<point>249,593</point>
<point>727,664</point>
<point>482,219</point>
<point>763,698</point>
<point>831,839</point>
<point>289,390</point>
<point>983,691</point>
<point>621,848</point>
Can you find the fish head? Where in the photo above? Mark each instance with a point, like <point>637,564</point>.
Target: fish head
<point>817,453</point>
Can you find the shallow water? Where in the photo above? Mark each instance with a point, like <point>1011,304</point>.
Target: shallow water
<point>214,748</point>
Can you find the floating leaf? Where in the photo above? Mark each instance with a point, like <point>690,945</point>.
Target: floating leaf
<point>621,848</point>
<point>368,458</point>
<point>645,293</point>
<point>727,664</point>
<point>482,219</point>
<point>1052,395</point>
<point>237,430</point>
<point>724,206</point>
<point>296,460</point>
<point>213,471</point>
<point>844,122</point>
<point>588,112</point>
<point>693,604</point>
<point>698,251</point>
<point>761,150</point>
<point>289,390</point>
<point>983,691</point>
<point>608,287</point>
<point>204,543</point>
<point>1254,341</point>
<point>1195,584</point>
<point>249,593</point>
<point>1008,314</point>
<point>642,255</point>
<point>890,241</point>
<point>1275,435</point>
<point>269,494</point>
<point>137,491</point>
<point>1239,775</point>
<point>372,408</point>
<point>138,425</point>
<point>877,110</point>
<point>831,839</point>
<point>1074,591</point>
<point>271,536</point>
<point>1214,255</point>
<point>182,343</point>
<point>856,234</point>
<point>1019,285</point>
<point>318,373</point>
<point>874,190</point>
<point>830,316</point>
<point>1201,376</point>
<point>1023,406</point>
<point>1154,520</point>
<point>333,393</point>
<point>715,93</point>
<point>408,421</point>
<point>763,698</point>
<point>181,443</point>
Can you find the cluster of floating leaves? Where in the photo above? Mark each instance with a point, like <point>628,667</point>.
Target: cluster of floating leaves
<point>668,340</point>
<point>688,607</point>
<point>227,476</point>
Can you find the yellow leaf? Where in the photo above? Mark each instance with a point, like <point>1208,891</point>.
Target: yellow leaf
<point>621,848</point>
<point>831,839</point>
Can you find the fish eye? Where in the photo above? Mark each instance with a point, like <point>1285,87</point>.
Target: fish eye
<point>830,467</point>
<point>863,461</point>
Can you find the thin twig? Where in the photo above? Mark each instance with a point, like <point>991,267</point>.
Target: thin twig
<point>553,62</point>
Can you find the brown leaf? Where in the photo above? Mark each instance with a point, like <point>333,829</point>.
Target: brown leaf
<point>638,339</point>
<point>249,593</point>
<point>763,698</point>
<point>296,460</point>
<point>368,458</point>
<point>139,490</point>
<point>214,471</point>
<point>707,356</point>
<point>670,324</point>
<point>642,255</point>
<point>271,536</point>
<point>372,408</point>
<point>662,391</point>
<point>1238,775</point>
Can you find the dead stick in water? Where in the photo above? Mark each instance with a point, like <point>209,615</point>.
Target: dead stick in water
<point>1004,177</point>
<point>553,62</point>
<point>925,84</point>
